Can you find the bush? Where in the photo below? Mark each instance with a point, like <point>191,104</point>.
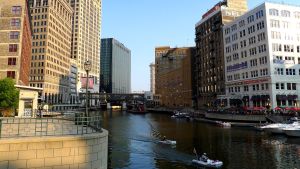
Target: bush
<point>9,97</point>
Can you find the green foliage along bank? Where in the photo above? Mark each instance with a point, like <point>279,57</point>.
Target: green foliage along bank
<point>9,96</point>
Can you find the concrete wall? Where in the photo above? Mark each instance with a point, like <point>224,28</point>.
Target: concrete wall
<point>72,152</point>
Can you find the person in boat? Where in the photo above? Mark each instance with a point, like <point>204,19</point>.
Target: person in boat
<point>164,138</point>
<point>203,157</point>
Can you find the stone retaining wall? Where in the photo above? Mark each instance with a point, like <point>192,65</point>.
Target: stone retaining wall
<point>236,117</point>
<point>73,152</point>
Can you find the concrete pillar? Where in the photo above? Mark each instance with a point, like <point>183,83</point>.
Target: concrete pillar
<point>108,106</point>
<point>124,106</point>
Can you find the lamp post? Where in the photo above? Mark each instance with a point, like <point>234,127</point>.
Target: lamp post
<point>87,68</point>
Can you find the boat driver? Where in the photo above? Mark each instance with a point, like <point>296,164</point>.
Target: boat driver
<point>204,157</point>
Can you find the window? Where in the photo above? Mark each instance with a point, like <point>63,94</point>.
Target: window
<point>13,48</point>
<point>261,36</point>
<point>16,10</point>
<point>12,61</point>
<point>275,24</point>
<point>11,74</point>
<point>297,15</point>
<point>291,86</point>
<point>14,35</point>
<point>15,22</point>
<point>273,12</point>
<point>259,14</point>
<point>275,35</point>
<point>290,71</point>
<point>276,47</point>
<point>250,19</point>
<point>285,13</point>
<point>246,88</point>
<point>285,24</point>
<point>289,48</point>
<point>279,71</point>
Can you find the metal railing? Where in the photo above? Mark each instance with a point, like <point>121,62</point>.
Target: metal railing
<point>71,124</point>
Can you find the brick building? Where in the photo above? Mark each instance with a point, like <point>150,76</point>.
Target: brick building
<point>173,82</point>
<point>209,58</point>
<point>15,41</point>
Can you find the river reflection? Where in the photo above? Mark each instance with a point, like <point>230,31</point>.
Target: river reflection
<point>133,144</point>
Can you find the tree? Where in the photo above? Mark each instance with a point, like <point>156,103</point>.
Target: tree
<point>9,95</point>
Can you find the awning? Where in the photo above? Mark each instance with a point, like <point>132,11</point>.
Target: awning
<point>281,97</point>
<point>292,97</point>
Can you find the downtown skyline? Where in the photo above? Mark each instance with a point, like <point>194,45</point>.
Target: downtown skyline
<point>149,24</point>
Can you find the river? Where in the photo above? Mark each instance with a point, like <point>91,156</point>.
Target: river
<point>133,144</point>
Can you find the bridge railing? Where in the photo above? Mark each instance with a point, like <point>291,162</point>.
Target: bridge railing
<point>76,124</point>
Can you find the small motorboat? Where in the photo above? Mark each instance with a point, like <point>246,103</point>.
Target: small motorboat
<point>223,124</point>
<point>170,142</point>
<point>278,128</point>
<point>208,163</point>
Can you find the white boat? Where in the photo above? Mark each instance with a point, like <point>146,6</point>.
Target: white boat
<point>178,114</point>
<point>223,124</point>
<point>292,131</point>
<point>209,163</point>
<point>278,128</point>
<point>170,142</point>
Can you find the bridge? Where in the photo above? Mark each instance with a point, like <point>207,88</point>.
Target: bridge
<point>114,99</point>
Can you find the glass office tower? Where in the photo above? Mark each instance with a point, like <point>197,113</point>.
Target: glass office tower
<point>115,61</point>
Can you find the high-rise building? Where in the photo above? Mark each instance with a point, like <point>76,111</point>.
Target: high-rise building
<point>209,57</point>
<point>86,38</point>
<point>115,71</point>
<point>262,61</point>
<point>152,78</point>
<point>173,83</point>
<point>51,48</point>
<point>15,41</point>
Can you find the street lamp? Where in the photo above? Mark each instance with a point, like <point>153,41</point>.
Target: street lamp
<point>87,68</point>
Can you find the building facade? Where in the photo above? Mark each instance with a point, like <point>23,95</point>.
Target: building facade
<point>209,57</point>
<point>115,71</point>
<point>86,38</point>
<point>51,48</point>
<point>173,82</point>
<point>74,97</point>
<point>15,41</point>
<point>152,78</point>
<point>262,51</point>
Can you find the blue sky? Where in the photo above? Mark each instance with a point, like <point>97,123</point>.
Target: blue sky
<point>141,25</point>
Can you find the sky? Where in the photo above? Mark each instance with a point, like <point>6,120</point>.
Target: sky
<point>142,25</point>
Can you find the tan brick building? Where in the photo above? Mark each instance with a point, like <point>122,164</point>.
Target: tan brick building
<point>86,37</point>
<point>15,41</point>
<point>51,48</point>
<point>209,58</point>
<point>173,76</point>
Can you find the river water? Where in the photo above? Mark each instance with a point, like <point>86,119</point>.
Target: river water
<point>133,144</point>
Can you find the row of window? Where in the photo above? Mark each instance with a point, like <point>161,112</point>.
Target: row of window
<point>255,87</point>
<point>290,71</point>
<point>253,74</point>
<point>286,86</point>
<point>284,13</point>
<point>277,47</point>
<point>250,19</point>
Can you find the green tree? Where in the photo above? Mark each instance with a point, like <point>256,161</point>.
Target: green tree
<point>9,94</point>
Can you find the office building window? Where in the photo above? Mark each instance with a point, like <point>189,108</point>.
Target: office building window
<point>16,10</point>
<point>12,61</point>
<point>15,22</point>
<point>11,74</point>
<point>14,35</point>
<point>13,48</point>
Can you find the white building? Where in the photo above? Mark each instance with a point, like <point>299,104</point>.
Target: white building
<point>262,57</point>
<point>152,78</point>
